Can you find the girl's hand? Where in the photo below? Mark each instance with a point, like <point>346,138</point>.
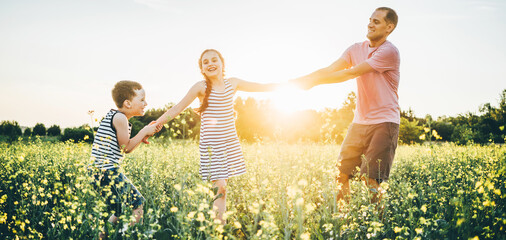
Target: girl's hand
<point>150,133</point>
<point>301,83</point>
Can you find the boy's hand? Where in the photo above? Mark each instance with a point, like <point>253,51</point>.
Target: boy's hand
<point>151,131</point>
<point>158,127</point>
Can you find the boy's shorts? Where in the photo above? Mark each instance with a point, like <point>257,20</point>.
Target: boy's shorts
<point>117,189</point>
<point>370,147</point>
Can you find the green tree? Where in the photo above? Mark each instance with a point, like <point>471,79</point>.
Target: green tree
<point>336,122</point>
<point>185,125</point>
<point>54,130</point>
<point>11,130</point>
<point>410,131</point>
<point>39,130</point>
<point>444,129</point>
<point>28,132</point>
<point>409,115</point>
<point>83,133</point>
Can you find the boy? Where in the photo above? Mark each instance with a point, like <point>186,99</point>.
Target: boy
<point>111,142</point>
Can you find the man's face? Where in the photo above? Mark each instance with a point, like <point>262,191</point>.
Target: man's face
<point>378,28</point>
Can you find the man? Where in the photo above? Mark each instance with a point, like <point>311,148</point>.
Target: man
<point>372,137</point>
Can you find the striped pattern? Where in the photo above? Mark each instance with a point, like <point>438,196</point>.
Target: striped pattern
<point>105,152</point>
<point>220,152</point>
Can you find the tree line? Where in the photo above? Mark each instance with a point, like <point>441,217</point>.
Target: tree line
<point>260,121</point>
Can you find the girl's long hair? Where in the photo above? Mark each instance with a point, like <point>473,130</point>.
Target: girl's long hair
<point>209,84</point>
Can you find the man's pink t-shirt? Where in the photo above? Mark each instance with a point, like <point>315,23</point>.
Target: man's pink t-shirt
<point>377,99</point>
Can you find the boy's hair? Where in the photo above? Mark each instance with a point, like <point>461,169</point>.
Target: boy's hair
<point>124,90</point>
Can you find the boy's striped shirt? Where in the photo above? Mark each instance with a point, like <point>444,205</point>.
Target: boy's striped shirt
<point>106,152</point>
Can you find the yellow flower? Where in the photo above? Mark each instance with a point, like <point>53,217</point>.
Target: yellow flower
<point>191,215</point>
<point>305,236</point>
<point>418,230</point>
<point>302,182</point>
<point>460,221</point>
<point>411,196</point>
<point>291,192</point>
<point>299,202</point>
<point>173,209</point>
<point>200,217</point>
<point>397,229</point>
<point>3,218</point>
<point>310,207</point>
<point>237,225</point>
<point>424,208</point>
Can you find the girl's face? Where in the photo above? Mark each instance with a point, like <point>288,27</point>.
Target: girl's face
<point>211,64</point>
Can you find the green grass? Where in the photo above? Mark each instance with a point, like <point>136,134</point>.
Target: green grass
<point>435,192</point>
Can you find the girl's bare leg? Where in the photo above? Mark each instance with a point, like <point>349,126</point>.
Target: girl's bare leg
<point>220,203</point>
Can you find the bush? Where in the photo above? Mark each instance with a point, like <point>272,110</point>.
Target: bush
<point>78,134</point>
<point>54,131</point>
<point>39,130</point>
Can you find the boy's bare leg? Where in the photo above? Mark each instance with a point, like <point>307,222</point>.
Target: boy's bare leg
<point>112,219</point>
<point>138,213</point>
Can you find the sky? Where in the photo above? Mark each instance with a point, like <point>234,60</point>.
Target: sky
<point>60,59</point>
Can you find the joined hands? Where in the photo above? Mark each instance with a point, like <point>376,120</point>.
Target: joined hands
<point>157,129</point>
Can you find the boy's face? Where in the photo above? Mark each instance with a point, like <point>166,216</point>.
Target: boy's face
<point>138,103</point>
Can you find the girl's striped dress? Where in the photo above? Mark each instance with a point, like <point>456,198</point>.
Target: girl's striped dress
<point>220,152</point>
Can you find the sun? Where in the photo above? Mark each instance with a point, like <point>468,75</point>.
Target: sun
<point>290,98</point>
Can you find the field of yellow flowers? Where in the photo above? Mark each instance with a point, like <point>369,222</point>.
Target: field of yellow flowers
<point>439,191</point>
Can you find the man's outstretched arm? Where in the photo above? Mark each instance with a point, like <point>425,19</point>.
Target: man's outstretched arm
<point>337,72</point>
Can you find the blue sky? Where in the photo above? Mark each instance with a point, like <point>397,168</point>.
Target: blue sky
<point>59,59</point>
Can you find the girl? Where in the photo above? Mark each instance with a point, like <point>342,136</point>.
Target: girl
<point>220,153</point>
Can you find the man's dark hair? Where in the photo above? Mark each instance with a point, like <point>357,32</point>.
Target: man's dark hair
<point>391,15</point>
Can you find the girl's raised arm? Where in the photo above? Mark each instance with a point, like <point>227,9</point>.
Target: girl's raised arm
<point>195,91</point>
<point>242,85</point>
